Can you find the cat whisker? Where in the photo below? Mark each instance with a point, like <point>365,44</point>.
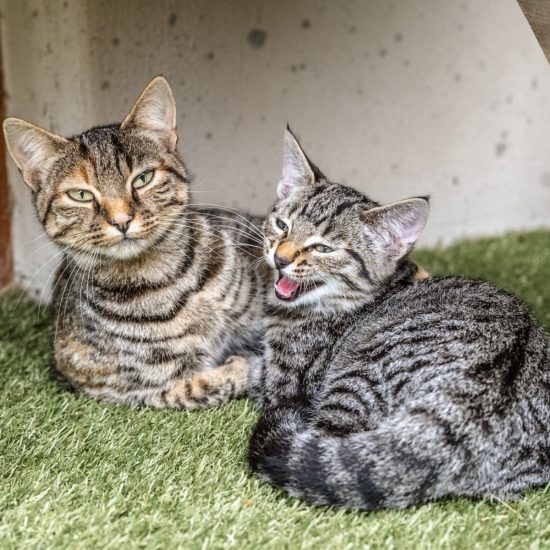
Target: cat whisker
<point>68,286</point>
<point>241,246</point>
<point>243,218</point>
<point>175,242</point>
<point>228,227</point>
<point>29,282</point>
<point>204,228</point>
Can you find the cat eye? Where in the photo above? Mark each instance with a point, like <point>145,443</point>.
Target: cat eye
<point>143,179</point>
<point>323,248</point>
<point>281,224</point>
<point>81,195</point>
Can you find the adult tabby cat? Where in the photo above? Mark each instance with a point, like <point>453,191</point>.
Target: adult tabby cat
<point>380,390</point>
<point>157,302</point>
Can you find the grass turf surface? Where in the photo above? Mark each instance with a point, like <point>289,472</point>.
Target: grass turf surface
<point>81,474</point>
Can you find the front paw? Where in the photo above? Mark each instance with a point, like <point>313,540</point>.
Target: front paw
<point>236,369</point>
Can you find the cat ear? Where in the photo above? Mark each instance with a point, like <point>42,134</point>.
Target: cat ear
<point>32,148</point>
<point>154,113</point>
<point>297,170</point>
<point>397,226</point>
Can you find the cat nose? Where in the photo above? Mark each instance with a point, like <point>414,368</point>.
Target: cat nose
<point>281,261</point>
<point>285,254</point>
<point>121,220</point>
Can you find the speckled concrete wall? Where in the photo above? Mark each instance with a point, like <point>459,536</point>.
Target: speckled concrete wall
<point>447,98</point>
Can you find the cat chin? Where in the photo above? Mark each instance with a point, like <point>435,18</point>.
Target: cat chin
<point>125,250</point>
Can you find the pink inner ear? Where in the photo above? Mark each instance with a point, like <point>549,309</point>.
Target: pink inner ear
<point>395,247</point>
<point>402,237</point>
<point>284,189</point>
<point>412,232</point>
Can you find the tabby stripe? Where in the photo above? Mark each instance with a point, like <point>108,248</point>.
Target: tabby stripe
<point>174,172</point>
<point>248,301</point>
<point>283,365</point>
<point>140,339</point>
<point>409,369</point>
<point>185,368</point>
<point>356,373</point>
<point>62,232</point>
<point>158,318</point>
<point>316,354</point>
<point>349,283</point>
<point>48,210</point>
<point>342,207</point>
<point>213,267</point>
<point>163,355</point>
<point>451,438</point>
<point>317,190</point>
<point>364,379</point>
<point>92,161</point>
<point>174,202</point>
<point>346,393</point>
<point>122,294</point>
<point>390,349</point>
<point>364,271</point>
<point>121,153</point>
<point>211,270</point>
<point>118,151</point>
<point>83,149</point>
<point>340,407</point>
<point>233,286</point>
<point>398,386</point>
<point>541,424</point>
<point>243,293</point>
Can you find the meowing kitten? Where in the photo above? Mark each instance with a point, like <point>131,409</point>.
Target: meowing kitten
<point>381,391</point>
<point>154,298</point>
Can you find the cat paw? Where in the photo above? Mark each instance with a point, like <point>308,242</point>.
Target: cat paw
<point>236,369</point>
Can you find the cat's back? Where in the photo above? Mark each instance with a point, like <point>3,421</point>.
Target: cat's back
<point>452,301</point>
<point>448,328</point>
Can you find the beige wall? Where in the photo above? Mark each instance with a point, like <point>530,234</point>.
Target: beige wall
<point>442,97</point>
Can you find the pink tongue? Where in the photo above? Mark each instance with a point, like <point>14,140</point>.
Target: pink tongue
<point>286,287</point>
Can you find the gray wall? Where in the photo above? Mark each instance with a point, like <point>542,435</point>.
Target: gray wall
<point>440,97</point>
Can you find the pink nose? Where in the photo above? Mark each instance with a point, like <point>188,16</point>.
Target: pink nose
<point>121,220</point>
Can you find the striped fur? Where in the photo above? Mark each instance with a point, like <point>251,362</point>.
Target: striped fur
<point>157,302</point>
<point>397,389</point>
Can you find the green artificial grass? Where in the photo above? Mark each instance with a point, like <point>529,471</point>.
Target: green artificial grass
<point>80,474</point>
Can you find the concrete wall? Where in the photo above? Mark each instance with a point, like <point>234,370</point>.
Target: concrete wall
<point>447,98</point>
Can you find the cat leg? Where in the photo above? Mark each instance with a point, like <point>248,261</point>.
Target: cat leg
<point>210,388</point>
<point>202,390</point>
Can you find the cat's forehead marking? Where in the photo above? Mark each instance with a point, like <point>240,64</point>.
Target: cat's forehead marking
<point>325,202</point>
<point>79,177</point>
<point>105,160</point>
<point>83,172</point>
<point>102,146</point>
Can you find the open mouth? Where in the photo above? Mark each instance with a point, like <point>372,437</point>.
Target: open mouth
<point>288,290</point>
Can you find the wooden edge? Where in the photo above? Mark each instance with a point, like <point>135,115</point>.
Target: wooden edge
<point>537,13</point>
<point>6,259</point>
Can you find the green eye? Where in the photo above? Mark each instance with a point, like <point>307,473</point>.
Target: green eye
<point>281,224</point>
<point>143,179</point>
<point>81,195</point>
<point>323,248</point>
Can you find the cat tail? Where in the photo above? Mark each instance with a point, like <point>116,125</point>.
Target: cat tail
<point>408,459</point>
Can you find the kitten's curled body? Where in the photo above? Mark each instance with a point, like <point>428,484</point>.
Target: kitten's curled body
<point>407,391</point>
<point>157,302</point>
